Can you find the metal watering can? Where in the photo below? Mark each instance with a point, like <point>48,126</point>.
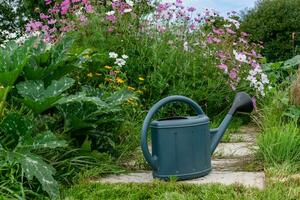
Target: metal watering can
<point>182,146</point>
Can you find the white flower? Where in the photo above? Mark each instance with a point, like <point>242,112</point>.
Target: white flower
<point>110,13</point>
<point>127,10</point>
<point>235,22</point>
<point>130,3</point>
<point>264,79</point>
<point>240,56</point>
<point>124,56</point>
<point>113,55</point>
<point>120,62</point>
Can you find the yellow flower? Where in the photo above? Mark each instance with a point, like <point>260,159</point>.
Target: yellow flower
<point>107,67</point>
<point>140,91</point>
<point>119,80</point>
<point>98,74</point>
<point>1,87</point>
<point>141,79</point>
<point>90,75</point>
<point>108,79</point>
<point>131,88</point>
<point>130,100</point>
<point>117,71</point>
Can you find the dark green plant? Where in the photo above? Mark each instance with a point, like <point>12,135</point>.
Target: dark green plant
<point>18,143</point>
<point>13,58</point>
<point>277,24</point>
<point>92,113</point>
<point>39,98</point>
<point>282,71</point>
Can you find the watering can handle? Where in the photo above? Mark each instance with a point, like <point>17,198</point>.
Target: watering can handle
<point>153,159</point>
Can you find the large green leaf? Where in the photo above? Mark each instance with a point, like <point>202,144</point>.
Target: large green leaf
<point>39,98</point>
<point>43,140</point>
<point>49,63</point>
<point>12,60</point>
<point>34,166</point>
<point>82,111</point>
<point>295,61</point>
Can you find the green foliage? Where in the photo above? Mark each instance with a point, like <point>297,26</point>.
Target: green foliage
<point>13,58</point>
<point>282,71</point>
<point>39,98</point>
<point>51,62</point>
<point>86,115</point>
<point>277,24</point>
<point>280,145</point>
<point>18,143</point>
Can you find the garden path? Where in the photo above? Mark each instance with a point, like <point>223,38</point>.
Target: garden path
<point>233,163</point>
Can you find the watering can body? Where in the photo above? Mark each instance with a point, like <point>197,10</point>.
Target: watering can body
<point>182,146</point>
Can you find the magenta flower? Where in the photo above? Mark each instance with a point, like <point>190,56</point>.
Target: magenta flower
<point>65,5</point>
<point>47,2</point>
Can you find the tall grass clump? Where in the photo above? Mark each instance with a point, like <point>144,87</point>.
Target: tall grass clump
<point>280,145</point>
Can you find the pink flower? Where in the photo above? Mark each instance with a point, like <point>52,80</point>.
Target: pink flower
<point>51,21</point>
<point>110,30</point>
<point>210,39</point>
<point>111,18</point>
<point>230,31</point>
<point>75,1</point>
<point>233,74</point>
<point>43,16</point>
<point>244,34</point>
<point>218,31</point>
<point>82,18</point>
<point>191,9</point>
<point>89,9</point>
<point>65,6</point>
<point>216,40</point>
<point>47,2</point>
<point>223,67</point>
<point>193,27</point>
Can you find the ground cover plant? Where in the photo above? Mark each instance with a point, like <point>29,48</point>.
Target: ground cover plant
<point>75,87</point>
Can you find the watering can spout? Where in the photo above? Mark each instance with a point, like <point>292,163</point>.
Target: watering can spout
<point>242,103</point>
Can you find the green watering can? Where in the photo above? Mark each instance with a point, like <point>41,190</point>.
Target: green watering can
<point>182,146</point>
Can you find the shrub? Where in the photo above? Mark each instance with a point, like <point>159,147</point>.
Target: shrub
<point>203,56</point>
<point>277,24</point>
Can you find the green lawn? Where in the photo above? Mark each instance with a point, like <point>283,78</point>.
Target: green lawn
<point>173,191</point>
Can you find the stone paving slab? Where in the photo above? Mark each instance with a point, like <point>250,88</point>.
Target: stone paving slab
<point>240,137</point>
<point>229,164</point>
<point>247,179</point>
<point>234,150</point>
